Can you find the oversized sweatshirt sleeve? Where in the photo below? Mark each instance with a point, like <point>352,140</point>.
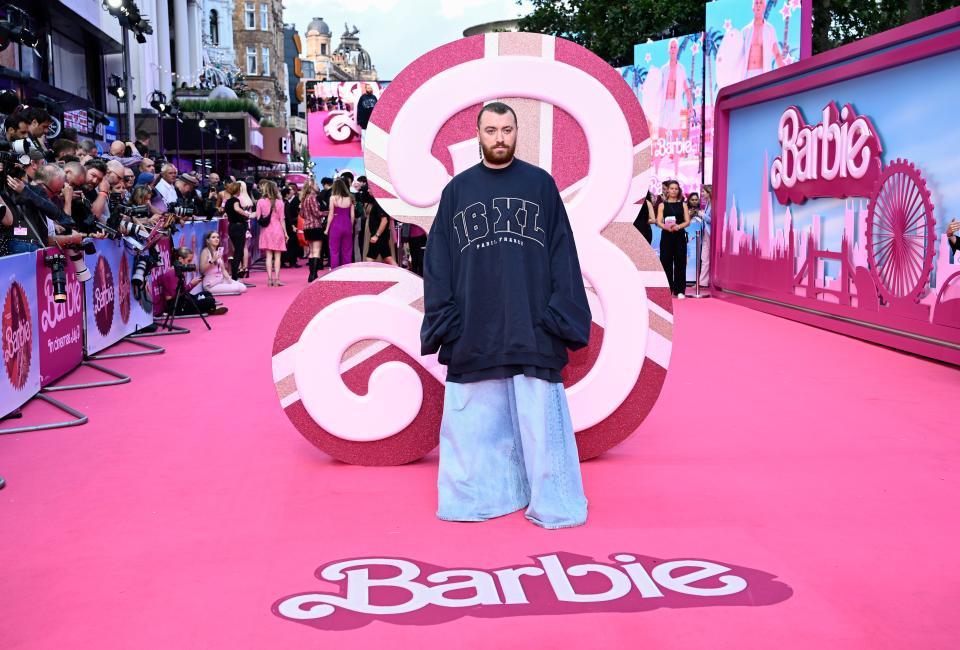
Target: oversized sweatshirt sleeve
<point>567,315</point>
<point>441,316</point>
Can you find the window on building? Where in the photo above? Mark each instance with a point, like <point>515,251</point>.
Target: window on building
<point>214,27</point>
<point>251,60</point>
<point>323,49</point>
<point>251,15</point>
<point>266,61</point>
<point>69,65</point>
<point>264,23</point>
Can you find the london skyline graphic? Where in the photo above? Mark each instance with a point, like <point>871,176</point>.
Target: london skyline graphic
<point>794,264</point>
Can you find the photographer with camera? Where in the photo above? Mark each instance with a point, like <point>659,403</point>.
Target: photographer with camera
<point>98,188</point>
<point>173,285</point>
<point>26,225</point>
<point>39,122</point>
<point>186,205</point>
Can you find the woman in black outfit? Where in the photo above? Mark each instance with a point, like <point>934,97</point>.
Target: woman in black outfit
<point>237,217</point>
<point>673,216</point>
<point>645,217</point>
<point>379,222</point>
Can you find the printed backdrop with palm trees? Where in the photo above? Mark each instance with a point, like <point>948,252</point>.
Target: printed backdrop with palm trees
<point>726,49</point>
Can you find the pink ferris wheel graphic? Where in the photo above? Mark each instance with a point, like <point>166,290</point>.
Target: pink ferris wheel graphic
<point>900,233</point>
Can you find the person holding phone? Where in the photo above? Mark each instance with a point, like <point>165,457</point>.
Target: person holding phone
<point>952,228</point>
<point>673,217</point>
<point>216,277</point>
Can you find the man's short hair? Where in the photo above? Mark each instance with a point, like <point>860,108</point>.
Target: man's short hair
<point>166,167</point>
<point>60,146</point>
<point>499,108</point>
<point>183,252</point>
<point>69,159</point>
<point>75,168</point>
<point>87,146</point>
<point>38,115</point>
<point>47,173</point>
<point>142,135</point>
<point>98,164</point>
<point>15,120</point>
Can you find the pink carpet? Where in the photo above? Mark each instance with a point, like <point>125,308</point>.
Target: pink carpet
<point>189,506</point>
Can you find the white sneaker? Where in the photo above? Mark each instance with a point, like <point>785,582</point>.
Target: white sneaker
<point>681,296</point>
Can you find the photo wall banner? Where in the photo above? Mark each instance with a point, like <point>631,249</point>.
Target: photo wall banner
<point>744,39</point>
<point>112,310</point>
<point>21,351</point>
<point>834,195</point>
<point>60,323</point>
<point>668,82</point>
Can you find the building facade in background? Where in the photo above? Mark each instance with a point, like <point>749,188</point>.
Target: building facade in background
<point>219,56</point>
<point>258,42</point>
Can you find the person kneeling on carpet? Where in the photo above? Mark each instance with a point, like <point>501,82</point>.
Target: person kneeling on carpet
<point>216,277</point>
<point>202,301</point>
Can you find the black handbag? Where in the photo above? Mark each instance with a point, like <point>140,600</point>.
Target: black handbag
<point>264,221</point>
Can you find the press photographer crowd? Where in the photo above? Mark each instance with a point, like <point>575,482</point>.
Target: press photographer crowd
<point>61,195</point>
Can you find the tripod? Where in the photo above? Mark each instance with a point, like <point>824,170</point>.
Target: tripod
<point>182,293</point>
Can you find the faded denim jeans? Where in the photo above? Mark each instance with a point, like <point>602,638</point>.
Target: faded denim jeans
<point>507,444</point>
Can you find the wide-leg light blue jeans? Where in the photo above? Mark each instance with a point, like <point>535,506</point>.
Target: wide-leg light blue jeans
<point>506,444</point>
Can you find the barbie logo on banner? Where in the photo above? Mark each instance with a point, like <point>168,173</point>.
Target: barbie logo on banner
<point>839,157</point>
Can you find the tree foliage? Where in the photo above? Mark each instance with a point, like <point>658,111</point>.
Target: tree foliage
<point>610,28</point>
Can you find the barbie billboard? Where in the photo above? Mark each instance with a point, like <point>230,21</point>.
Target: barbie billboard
<point>667,78</point>
<point>744,39</point>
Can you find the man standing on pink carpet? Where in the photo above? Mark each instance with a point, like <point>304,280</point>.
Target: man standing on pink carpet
<point>503,301</point>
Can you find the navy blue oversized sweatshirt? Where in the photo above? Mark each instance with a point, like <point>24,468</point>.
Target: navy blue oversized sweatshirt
<point>503,293</point>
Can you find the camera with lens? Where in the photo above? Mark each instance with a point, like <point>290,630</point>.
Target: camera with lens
<point>75,253</point>
<point>181,268</point>
<point>58,274</point>
<point>120,224</point>
<point>13,157</point>
<point>182,208</point>
<point>143,264</point>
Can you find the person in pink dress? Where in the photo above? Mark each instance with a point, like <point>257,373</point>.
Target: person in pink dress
<point>273,238</point>
<point>340,225</point>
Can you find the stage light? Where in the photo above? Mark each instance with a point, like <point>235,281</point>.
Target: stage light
<point>201,121</point>
<point>15,28</point>
<point>158,101</point>
<point>114,4</point>
<point>25,35</point>
<point>116,88</point>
